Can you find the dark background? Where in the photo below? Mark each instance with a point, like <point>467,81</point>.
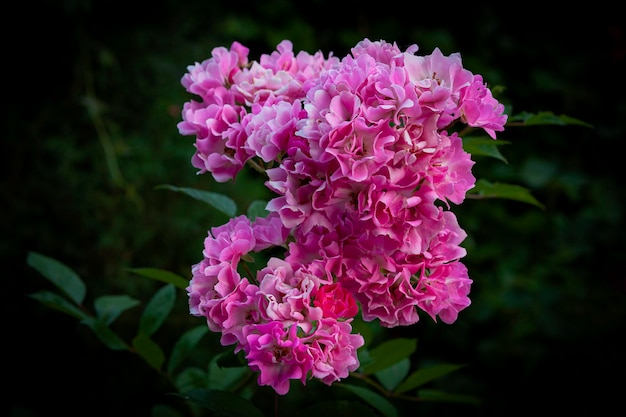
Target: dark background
<point>545,327</point>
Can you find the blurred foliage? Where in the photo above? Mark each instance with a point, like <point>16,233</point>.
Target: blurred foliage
<point>90,134</point>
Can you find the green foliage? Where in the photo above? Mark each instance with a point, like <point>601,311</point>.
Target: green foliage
<point>377,401</point>
<point>218,387</point>
<point>425,375</point>
<point>162,275</point>
<point>223,403</point>
<point>484,146</point>
<point>539,270</point>
<point>387,354</point>
<point>257,209</point>
<point>487,189</point>
<point>63,277</point>
<point>388,375</point>
<point>544,118</point>
<point>219,201</point>
<point>185,346</point>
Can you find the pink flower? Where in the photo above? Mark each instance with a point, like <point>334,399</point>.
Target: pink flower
<point>217,71</point>
<point>229,242</point>
<point>278,355</point>
<point>362,167</point>
<point>240,308</point>
<point>287,294</point>
<point>269,231</point>
<point>208,288</point>
<point>334,350</point>
<point>271,128</point>
<point>336,302</point>
<point>480,109</point>
<point>451,170</point>
<point>447,287</point>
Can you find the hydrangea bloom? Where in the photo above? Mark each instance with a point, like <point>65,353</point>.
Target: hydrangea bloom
<point>364,164</point>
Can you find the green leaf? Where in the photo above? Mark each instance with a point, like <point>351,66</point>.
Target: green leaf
<point>191,378</point>
<point>223,403</point>
<point>218,201</point>
<point>157,310</point>
<point>229,359</point>
<point>389,353</point>
<point>545,118</point>
<point>484,146</point>
<point>392,376</point>
<point>109,307</point>
<point>338,408</point>
<point>440,396</point>
<point>60,275</point>
<point>149,350</point>
<point>57,302</point>
<point>225,378</point>
<point>185,345</point>
<point>105,334</point>
<point>162,275</point>
<point>424,375</point>
<point>375,400</point>
<point>163,410</point>
<point>487,189</point>
<point>257,209</point>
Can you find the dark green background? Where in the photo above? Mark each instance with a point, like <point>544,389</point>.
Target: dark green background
<point>545,326</point>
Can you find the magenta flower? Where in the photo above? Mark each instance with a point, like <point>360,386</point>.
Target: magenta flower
<point>336,302</point>
<point>363,168</point>
<point>278,355</point>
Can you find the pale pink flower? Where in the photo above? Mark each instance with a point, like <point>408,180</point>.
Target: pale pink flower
<point>271,128</point>
<point>288,294</point>
<point>334,350</point>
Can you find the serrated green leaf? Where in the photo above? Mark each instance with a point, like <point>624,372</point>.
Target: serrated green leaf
<point>545,118</point>
<point>425,375</point>
<point>223,403</point>
<point>257,209</point>
<point>157,310</point>
<point>484,146</point>
<point>389,353</point>
<point>105,334</point>
<point>441,396</point>
<point>487,189</point>
<point>149,351</point>
<point>109,307</point>
<point>162,275</point>
<point>392,376</point>
<point>375,400</point>
<point>63,277</point>
<point>218,201</point>
<point>185,344</point>
<point>57,302</point>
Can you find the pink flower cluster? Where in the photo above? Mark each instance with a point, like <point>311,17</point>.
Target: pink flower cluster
<point>364,164</point>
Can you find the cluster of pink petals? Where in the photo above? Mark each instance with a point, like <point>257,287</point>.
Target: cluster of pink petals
<point>364,164</point>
